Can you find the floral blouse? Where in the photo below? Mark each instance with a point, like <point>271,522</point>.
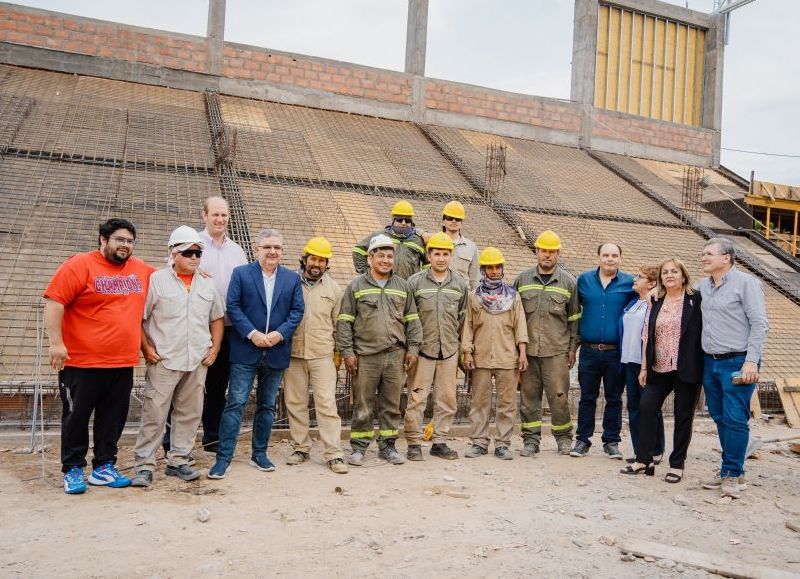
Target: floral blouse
<point>667,335</point>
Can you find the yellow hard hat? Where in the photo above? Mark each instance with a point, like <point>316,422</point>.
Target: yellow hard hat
<point>548,240</point>
<point>491,256</point>
<point>454,209</point>
<point>320,247</point>
<point>403,208</point>
<point>440,241</point>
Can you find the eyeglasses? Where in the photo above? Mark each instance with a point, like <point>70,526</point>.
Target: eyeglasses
<point>450,218</point>
<point>709,254</point>
<point>192,253</point>
<point>124,241</point>
<point>268,247</point>
<point>403,220</point>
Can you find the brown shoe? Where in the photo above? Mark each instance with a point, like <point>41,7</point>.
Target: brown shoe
<point>338,466</point>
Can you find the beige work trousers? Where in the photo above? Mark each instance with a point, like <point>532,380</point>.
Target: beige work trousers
<point>184,390</point>
<point>320,374</point>
<point>441,374</point>
<point>505,382</point>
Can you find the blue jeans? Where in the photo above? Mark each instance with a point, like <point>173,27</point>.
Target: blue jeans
<point>634,398</point>
<point>241,382</point>
<point>595,366</point>
<point>729,406</point>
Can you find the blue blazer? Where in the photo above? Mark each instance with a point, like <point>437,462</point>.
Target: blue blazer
<point>247,310</point>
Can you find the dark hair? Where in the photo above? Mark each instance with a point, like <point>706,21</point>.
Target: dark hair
<point>112,225</point>
<point>618,246</point>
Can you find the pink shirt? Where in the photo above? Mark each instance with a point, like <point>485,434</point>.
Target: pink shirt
<point>667,335</point>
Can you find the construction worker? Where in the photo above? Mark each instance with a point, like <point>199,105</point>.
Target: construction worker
<point>312,361</point>
<point>465,258</point>
<point>379,335</point>
<point>409,254</point>
<point>550,301</point>
<point>441,299</point>
<point>493,342</point>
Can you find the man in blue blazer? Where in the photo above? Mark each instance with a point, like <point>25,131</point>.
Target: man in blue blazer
<point>265,306</point>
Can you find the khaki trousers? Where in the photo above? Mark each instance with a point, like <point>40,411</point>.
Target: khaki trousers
<point>441,374</point>
<point>184,390</point>
<point>505,382</point>
<point>382,375</point>
<point>320,374</point>
<point>549,375</point>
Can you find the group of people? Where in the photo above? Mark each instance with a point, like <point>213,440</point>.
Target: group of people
<point>211,327</point>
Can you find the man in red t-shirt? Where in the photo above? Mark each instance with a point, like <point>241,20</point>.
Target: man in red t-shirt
<point>93,312</point>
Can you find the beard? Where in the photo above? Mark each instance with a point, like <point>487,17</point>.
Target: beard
<point>114,257</point>
<point>313,272</point>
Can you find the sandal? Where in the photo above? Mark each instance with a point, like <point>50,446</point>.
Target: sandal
<point>658,459</point>
<point>673,478</point>
<point>648,470</point>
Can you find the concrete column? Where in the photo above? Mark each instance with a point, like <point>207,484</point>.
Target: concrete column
<point>416,36</point>
<point>712,82</point>
<point>584,59</point>
<point>216,36</point>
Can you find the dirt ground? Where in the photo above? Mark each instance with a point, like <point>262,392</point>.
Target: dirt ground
<point>551,515</point>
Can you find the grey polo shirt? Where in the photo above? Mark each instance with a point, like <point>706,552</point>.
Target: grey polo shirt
<point>734,315</point>
<point>177,322</point>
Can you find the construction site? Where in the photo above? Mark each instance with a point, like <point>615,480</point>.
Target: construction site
<point>100,119</point>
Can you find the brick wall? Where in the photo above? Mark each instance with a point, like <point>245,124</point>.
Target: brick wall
<point>98,38</point>
<point>252,63</point>
<point>618,126</point>
<point>504,106</point>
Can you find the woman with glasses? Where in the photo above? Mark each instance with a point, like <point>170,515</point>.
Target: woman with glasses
<point>673,362</point>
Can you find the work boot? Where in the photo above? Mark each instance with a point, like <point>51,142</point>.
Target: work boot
<point>564,445</point>
<point>414,452</point>
<point>143,478</point>
<point>612,450</point>
<point>356,458</point>
<point>443,451</point>
<point>296,457</point>
<point>503,453</point>
<point>337,465</point>
<point>474,451</point>
<point>530,449</point>
<point>730,487</point>
<point>580,449</point>
<point>389,453</point>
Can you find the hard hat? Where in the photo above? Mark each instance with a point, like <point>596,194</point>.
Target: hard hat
<point>454,209</point>
<point>184,235</point>
<point>548,240</point>
<point>320,247</point>
<point>403,208</point>
<point>491,256</point>
<point>440,241</point>
<point>379,242</point>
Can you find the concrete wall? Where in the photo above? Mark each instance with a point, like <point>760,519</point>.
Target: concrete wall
<point>54,41</point>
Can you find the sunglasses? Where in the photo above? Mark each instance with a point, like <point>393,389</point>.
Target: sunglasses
<point>192,253</point>
<point>403,220</point>
<point>448,218</point>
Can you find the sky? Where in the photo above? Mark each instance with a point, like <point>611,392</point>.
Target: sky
<point>517,45</point>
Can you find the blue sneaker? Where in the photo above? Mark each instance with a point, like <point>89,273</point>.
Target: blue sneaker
<point>218,470</point>
<point>73,481</point>
<point>108,476</point>
<point>262,463</point>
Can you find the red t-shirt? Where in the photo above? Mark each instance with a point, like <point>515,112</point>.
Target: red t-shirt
<point>103,306</point>
<point>186,278</point>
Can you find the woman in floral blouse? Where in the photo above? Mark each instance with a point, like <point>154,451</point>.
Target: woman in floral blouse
<point>672,361</point>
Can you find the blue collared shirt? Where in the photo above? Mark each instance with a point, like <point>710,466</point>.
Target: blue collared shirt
<point>603,307</point>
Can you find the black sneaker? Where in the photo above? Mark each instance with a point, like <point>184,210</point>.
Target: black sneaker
<point>183,472</point>
<point>580,449</point>
<point>414,452</point>
<point>612,450</point>
<point>443,451</point>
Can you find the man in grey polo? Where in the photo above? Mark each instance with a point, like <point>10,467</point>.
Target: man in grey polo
<point>734,333</point>
<point>181,336</point>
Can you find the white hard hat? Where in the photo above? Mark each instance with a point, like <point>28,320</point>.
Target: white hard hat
<point>379,242</point>
<point>184,236</point>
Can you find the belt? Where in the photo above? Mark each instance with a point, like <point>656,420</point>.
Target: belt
<point>601,347</point>
<point>439,357</point>
<point>395,347</point>
<point>726,355</point>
